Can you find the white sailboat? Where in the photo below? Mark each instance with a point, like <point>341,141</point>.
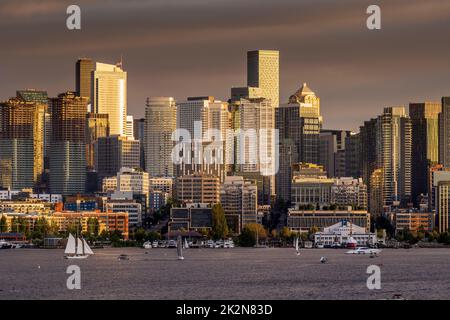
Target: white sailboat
<point>77,248</point>
<point>297,249</point>
<point>180,248</point>
<point>186,244</point>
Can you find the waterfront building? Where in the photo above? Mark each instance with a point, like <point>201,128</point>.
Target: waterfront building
<point>239,197</point>
<point>109,95</point>
<point>68,148</point>
<point>160,123</point>
<point>411,220</point>
<point>304,220</point>
<point>193,217</point>
<point>123,204</point>
<point>341,232</point>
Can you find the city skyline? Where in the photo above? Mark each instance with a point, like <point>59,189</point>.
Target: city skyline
<point>383,68</point>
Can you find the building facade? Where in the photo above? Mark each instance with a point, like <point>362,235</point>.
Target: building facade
<point>68,148</point>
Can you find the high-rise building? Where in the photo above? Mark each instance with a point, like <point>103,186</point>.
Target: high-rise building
<point>394,135</point>
<point>239,198</point>
<point>109,95</point>
<point>83,77</point>
<point>444,133</point>
<point>263,71</point>
<point>425,144</point>
<point>160,123</point>
<point>208,146</point>
<point>332,151</point>
<point>256,145</point>
<point>299,123</point>
<point>198,188</point>
<point>352,155</point>
<point>68,145</point>
<point>132,180</point>
<point>115,152</point>
<point>33,95</point>
<point>129,128</point>
<point>442,193</point>
<point>139,134</point>
<point>97,125</point>
<point>21,143</point>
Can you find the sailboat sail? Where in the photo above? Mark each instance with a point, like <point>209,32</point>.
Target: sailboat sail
<point>296,243</point>
<point>87,249</point>
<point>70,247</point>
<point>80,247</point>
<point>186,245</point>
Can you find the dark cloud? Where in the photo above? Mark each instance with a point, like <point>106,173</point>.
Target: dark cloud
<point>196,47</point>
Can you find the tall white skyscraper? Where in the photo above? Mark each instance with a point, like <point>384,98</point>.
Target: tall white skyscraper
<point>263,71</point>
<point>160,123</point>
<point>109,95</point>
<point>206,120</point>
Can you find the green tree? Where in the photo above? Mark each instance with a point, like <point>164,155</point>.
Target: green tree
<point>140,235</point>
<point>93,228</point>
<point>248,236</point>
<point>219,222</point>
<point>153,235</point>
<point>285,233</point>
<point>3,224</point>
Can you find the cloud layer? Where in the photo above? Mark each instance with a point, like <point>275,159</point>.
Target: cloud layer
<point>198,47</point>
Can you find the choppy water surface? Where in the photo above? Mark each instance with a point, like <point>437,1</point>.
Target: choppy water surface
<point>238,273</point>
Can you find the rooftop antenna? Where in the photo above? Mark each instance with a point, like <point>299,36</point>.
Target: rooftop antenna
<point>120,64</point>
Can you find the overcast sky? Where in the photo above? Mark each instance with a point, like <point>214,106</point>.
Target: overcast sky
<point>186,48</point>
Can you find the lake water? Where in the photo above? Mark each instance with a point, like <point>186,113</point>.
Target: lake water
<point>239,273</point>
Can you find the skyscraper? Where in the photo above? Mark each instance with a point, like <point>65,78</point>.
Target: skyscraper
<point>263,71</point>
<point>83,74</point>
<point>109,95</point>
<point>332,151</point>
<point>139,134</point>
<point>97,125</point>
<point>394,135</point>
<point>200,116</point>
<point>444,133</point>
<point>115,152</point>
<point>299,123</point>
<point>21,143</point>
<point>257,145</point>
<point>68,145</point>
<point>441,184</point>
<point>160,123</point>
<point>425,144</point>
<point>33,95</point>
